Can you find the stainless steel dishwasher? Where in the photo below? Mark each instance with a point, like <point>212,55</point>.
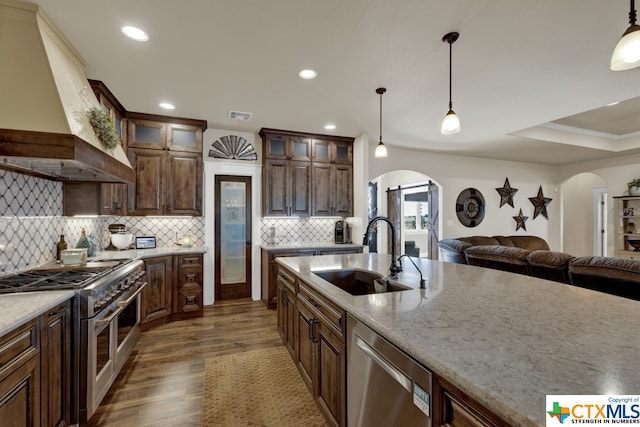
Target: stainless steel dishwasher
<point>385,387</point>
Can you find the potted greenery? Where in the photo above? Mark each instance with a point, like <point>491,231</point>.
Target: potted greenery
<point>634,187</point>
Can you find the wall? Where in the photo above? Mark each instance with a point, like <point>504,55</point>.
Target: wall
<point>31,223</point>
<point>578,216</point>
<point>455,173</point>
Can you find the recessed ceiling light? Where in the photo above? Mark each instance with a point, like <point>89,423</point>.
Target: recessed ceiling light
<point>135,33</point>
<point>307,74</point>
<point>612,103</point>
<point>329,126</point>
<point>167,106</point>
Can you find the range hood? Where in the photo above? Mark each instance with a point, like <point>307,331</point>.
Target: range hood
<point>44,98</point>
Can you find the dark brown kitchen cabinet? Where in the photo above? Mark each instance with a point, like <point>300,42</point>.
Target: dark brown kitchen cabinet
<point>20,379</point>
<point>291,162</point>
<point>288,183</point>
<point>167,158</point>
<point>90,198</point>
<point>455,408</point>
<point>332,193</point>
<point>287,310</point>
<point>187,297</point>
<point>56,366</point>
<point>321,352</point>
<point>156,296</point>
<point>269,266</point>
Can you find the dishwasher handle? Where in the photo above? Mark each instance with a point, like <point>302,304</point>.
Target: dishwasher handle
<point>393,372</point>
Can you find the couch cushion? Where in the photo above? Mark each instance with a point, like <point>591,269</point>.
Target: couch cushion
<point>452,250</point>
<point>617,276</point>
<point>549,265</point>
<point>546,258</point>
<point>482,240</point>
<point>499,257</point>
<point>532,243</point>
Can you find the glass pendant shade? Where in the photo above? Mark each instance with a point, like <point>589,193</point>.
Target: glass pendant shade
<point>381,151</point>
<point>626,55</point>
<point>450,124</point>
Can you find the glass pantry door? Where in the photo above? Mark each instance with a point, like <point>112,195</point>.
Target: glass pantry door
<point>233,237</point>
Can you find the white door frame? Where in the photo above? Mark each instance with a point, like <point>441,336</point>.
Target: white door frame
<point>600,221</point>
<point>221,167</point>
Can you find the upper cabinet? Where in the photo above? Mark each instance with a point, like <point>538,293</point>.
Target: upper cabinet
<point>306,174</point>
<point>166,154</point>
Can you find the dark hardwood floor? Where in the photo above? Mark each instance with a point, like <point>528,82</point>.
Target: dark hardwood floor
<point>161,384</point>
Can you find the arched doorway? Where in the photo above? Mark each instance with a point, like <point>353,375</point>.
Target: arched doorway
<point>411,200</point>
<point>584,215</point>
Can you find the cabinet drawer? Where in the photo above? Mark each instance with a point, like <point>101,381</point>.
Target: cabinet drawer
<point>188,260</point>
<point>18,346</point>
<point>287,280</point>
<point>333,314</point>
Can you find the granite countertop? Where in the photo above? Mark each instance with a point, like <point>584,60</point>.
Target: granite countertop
<point>270,247</point>
<point>147,253</point>
<point>505,339</point>
<point>17,309</point>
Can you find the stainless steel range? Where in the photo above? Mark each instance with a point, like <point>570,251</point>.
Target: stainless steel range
<point>105,319</point>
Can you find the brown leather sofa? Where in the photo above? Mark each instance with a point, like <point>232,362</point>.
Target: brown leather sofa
<point>617,276</point>
<point>531,255</point>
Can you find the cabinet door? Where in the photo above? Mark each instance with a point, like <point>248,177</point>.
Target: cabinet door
<point>184,138</point>
<point>20,396</point>
<point>146,194</point>
<point>275,193</point>
<point>184,184</point>
<point>188,295</point>
<point>342,190</point>
<point>147,134</point>
<point>306,347</point>
<point>275,147</point>
<point>56,366</point>
<point>112,198</point>
<point>342,153</point>
<point>156,296</point>
<point>321,197</point>
<point>331,374</point>
<point>300,182</point>
<point>322,151</point>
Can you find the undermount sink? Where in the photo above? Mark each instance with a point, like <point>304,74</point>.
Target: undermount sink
<point>360,282</point>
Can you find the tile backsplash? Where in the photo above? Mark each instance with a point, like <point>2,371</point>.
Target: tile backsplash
<point>31,223</point>
<point>295,231</point>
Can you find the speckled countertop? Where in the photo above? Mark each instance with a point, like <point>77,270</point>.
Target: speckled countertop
<point>505,339</point>
<point>269,247</point>
<point>17,309</point>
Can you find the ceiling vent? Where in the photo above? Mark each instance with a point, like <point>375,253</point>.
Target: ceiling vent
<point>239,115</point>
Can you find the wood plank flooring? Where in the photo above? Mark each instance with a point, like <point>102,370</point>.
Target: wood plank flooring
<point>161,384</point>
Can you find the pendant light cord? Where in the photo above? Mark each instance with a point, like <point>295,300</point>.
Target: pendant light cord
<point>450,73</point>
<point>632,13</point>
<point>381,116</point>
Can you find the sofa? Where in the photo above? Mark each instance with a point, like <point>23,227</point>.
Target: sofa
<point>530,255</point>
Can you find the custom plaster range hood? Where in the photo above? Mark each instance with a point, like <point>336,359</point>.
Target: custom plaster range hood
<point>44,97</point>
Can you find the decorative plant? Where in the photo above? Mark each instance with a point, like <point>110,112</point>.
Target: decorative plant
<point>104,128</point>
<point>634,183</point>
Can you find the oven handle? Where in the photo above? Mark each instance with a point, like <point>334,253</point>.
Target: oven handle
<point>121,306</point>
<point>128,301</point>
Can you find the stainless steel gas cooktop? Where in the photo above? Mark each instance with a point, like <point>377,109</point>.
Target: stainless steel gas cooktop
<point>58,276</point>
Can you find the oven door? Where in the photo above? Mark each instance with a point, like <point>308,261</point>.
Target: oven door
<point>111,335</point>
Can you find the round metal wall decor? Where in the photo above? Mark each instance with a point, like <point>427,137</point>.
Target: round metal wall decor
<point>470,207</point>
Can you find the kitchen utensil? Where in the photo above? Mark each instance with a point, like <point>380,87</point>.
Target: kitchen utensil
<point>122,240</point>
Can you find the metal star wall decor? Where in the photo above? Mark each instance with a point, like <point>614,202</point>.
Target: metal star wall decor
<point>520,221</point>
<point>540,204</point>
<point>506,193</point>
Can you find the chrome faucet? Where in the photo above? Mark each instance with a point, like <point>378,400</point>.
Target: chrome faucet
<point>395,267</point>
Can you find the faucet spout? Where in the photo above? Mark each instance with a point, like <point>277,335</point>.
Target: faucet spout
<point>395,267</point>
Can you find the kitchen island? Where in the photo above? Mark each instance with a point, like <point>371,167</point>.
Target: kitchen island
<point>505,340</point>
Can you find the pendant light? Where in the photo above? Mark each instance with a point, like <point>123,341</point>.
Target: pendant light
<point>381,150</point>
<point>626,55</point>
<point>451,122</point>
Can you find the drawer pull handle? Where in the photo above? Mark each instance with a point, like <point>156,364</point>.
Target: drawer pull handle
<point>312,329</point>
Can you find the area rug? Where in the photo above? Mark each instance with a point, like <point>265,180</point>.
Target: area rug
<point>257,388</point>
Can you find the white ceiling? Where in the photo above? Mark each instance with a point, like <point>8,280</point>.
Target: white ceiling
<point>517,67</point>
